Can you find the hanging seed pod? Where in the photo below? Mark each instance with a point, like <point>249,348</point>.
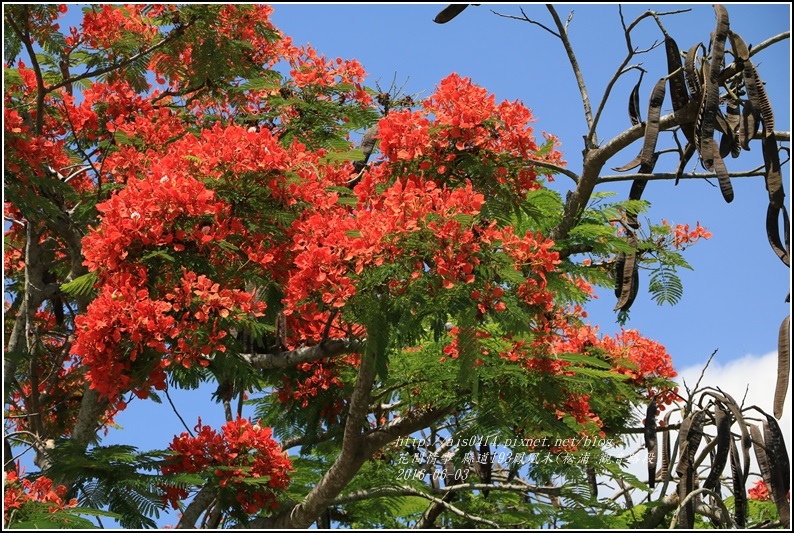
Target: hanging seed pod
<point>666,459</point>
<point>773,232</point>
<point>749,124</point>
<point>783,367</point>
<point>677,80</point>
<point>739,491</point>
<point>650,440</point>
<point>723,423</point>
<point>629,276</point>
<point>689,438</point>
<point>634,103</point>
<point>449,13</point>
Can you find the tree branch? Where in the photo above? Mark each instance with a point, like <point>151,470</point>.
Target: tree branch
<point>288,359</point>
<point>769,42</point>
<point>591,140</point>
<point>345,467</point>
<point>654,516</point>
<point>450,507</point>
<point>384,492</point>
<point>658,176</point>
<point>724,517</point>
<point>525,18</point>
<point>123,63</point>
<point>40,89</point>
<point>562,170</point>
<point>351,456</point>
<point>595,160</point>
<point>193,511</point>
<point>562,28</point>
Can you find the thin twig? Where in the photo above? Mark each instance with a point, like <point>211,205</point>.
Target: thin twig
<point>560,169</point>
<point>525,18</point>
<point>177,412</point>
<point>450,507</point>
<point>703,372</point>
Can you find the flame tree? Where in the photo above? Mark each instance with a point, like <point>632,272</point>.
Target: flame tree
<point>193,198</point>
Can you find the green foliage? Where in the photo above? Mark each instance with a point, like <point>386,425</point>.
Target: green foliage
<point>118,478</point>
<point>35,515</point>
<point>665,286</point>
<point>81,286</point>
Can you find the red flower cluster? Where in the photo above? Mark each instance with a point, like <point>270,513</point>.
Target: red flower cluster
<point>459,119</point>
<point>683,237</point>
<point>641,359</point>
<point>759,491</point>
<point>17,493</point>
<point>105,25</point>
<point>240,451</point>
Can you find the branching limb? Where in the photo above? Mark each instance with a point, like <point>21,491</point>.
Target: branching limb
<point>351,456</point>
<point>123,63</point>
<point>595,160</point>
<point>591,138</point>
<point>525,18</point>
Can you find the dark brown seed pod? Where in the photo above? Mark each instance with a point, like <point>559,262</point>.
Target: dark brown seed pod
<point>783,367</point>
<point>739,491</point>
<point>723,422</point>
<point>449,13</point>
<point>650,440</point>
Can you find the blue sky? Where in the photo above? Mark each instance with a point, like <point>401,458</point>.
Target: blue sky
<point>734,299</point>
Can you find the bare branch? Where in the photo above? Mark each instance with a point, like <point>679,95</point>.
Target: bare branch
<point>525,18</point>
<point>591,138</point>
<point>671,427</point>
<point>725,515</point>
<point>176,412</point>
<point>562,28</point>
<point>769,42</point>
<point>658,176</point>
<point>300,441</point>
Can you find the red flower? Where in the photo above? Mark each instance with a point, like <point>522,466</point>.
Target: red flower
<point>759,491</point>
<point>41,490</point>
<point>241,450</point>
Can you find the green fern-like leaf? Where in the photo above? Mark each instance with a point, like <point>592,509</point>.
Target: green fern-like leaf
<point>665,286</point>
<point>81,286</point>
